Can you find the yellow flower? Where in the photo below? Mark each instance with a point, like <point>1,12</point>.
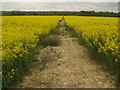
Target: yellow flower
<point>10,76</point>
<point>116,60</point>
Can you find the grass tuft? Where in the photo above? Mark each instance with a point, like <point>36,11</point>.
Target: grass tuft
<point>50,40</point>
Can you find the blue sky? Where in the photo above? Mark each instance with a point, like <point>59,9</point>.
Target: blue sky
<point>60,5</point>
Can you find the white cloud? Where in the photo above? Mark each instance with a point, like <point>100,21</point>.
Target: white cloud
<point>69,6</point>
<point>60,0</point>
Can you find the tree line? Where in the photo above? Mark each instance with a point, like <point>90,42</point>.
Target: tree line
<point>60,13</point>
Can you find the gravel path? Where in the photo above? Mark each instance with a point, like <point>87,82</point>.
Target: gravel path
<point>74,69</point>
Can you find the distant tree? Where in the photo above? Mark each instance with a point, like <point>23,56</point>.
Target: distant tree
<point>61,13</point>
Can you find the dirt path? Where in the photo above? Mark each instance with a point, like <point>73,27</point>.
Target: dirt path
<point>74,69</point>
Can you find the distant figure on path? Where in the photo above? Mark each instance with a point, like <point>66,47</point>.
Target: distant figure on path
<point>62,24</point>
<point>63,18</point>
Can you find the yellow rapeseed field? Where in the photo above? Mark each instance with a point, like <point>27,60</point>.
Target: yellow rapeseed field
<point>20,35</point>
<point>100,33</point>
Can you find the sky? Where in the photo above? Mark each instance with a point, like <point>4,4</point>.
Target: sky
<point>60,0</point>
<point>60,5</point>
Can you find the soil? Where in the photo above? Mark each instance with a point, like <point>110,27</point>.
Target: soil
<point>72,67</point>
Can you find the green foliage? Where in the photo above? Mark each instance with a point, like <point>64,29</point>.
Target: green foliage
<point>72,32</point>
<point>50,40</point>
<point>55,32</point>
<point>15,69</point>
